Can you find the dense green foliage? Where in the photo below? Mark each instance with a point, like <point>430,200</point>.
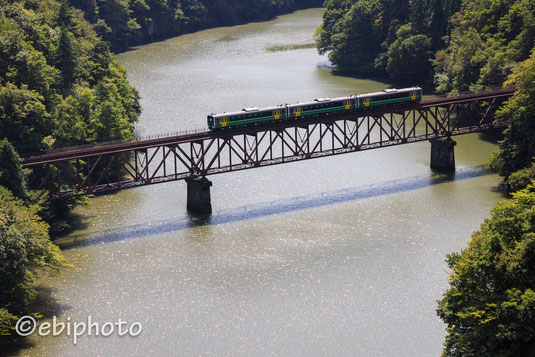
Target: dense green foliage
<point>25,249</point>
<point>127,22</point>
<point>490,306</point>
<point>488,38</point>
<point>385,36</point>
<point>517,150</point>
<point>472,44</point>
<point>59,86</point>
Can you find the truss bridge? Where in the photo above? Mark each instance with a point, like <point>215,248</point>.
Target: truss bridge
<point>105,167</point>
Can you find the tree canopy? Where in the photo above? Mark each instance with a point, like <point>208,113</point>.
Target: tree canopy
<point>59,86</point>
<point>490,306</point>
<point>128,22</point>
<point>25,249</point>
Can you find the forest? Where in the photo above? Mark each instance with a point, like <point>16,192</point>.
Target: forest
<point>454,46</point>
<point>59,86</point>
<point>125,23</point>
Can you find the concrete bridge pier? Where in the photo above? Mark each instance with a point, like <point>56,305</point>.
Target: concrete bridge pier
<point>199,200</point>
<point>443,154</point>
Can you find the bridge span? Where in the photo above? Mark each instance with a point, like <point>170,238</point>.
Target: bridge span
<point>102,168</point>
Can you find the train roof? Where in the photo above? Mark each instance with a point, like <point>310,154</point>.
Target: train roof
<point>316,101</point>
<point>322,100</point>
<point>389,91</point>
<point>248,110</point>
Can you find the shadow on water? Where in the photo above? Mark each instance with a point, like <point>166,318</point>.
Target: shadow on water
<point>492,136</point>
<point>198,220</point>
<point>273,208</point>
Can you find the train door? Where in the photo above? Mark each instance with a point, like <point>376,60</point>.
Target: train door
<point>298,111</point>
<point>224,121</point>
<point>413,95</point>
<point>367,102</point>
<point>347,104</point>
<point>277,114</point>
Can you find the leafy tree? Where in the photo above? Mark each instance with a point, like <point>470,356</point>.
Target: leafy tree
<point>25,249</point>
<point>409,58</point>
<point>518,147</point>
<point>521,179</point>
<point>66,59</point>
<point>357,43</point>
<point>487,38</point>
<point>89,7</point>
<point>64,15</point>
<point>418,15</point>
<point>116,15</point>
<point>24,120</point>
<point>490,305</point>
<point>11,174</point>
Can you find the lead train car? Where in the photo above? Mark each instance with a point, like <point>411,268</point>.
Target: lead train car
<point>319,107</point>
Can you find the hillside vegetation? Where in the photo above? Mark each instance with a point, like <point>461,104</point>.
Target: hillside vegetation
<point>128,22</point>
<point>59,86</point>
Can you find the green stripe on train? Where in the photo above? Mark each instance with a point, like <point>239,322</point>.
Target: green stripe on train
<point>310,112</point>
<point>246,121</point>
<point>391,101</point>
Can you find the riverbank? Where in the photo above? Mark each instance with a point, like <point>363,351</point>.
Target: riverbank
<point>129,23</point>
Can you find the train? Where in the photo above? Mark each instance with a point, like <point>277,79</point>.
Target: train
<point>318,107</point>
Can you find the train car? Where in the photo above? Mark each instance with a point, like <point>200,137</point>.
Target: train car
<point>248,116</point>
<point>389,97</point>
<point>321,106</point>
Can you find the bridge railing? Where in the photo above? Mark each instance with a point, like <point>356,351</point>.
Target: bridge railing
<point>120,141</point>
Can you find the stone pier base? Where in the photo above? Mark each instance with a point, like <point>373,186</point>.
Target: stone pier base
<point>443,155</point>
<point>199,200</point>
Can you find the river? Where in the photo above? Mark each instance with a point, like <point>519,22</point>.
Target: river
<point>335,256</point>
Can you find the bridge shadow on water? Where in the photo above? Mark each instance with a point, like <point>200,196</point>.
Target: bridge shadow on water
<point>273,207</point>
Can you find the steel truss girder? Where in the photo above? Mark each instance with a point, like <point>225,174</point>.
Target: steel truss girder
<point>233,150</point>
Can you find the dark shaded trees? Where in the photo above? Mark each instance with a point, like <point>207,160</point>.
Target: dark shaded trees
<point>128,22</point>
<point>25,249</point>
